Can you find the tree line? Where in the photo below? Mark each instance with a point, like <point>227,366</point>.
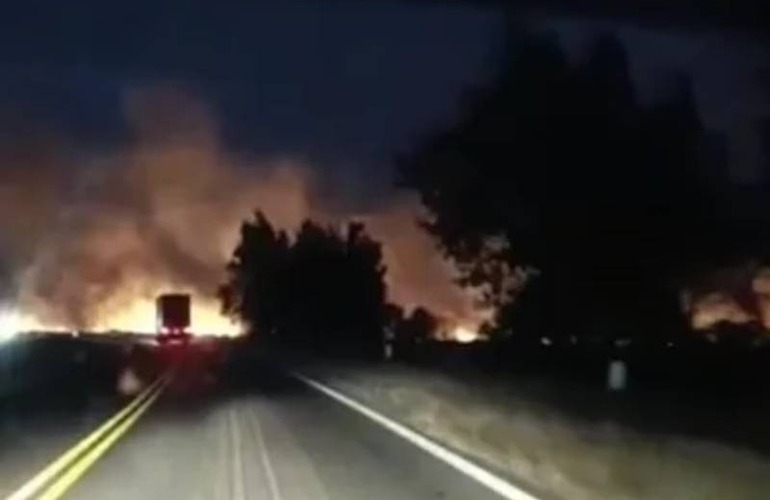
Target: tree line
<point>320,288</point>
<point>577,208</point>
<point>558,167</point>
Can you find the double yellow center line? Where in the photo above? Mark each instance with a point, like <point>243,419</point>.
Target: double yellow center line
<point>58,477</point>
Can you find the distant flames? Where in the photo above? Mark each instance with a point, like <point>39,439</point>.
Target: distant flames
<point>737,295</point>
<point>87,241</point>
<point>139,317</point>
<point>464,335</point>
<point>136,317</point>
<point>91,239</point>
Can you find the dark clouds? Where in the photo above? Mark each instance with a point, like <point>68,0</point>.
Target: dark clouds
<point>340,82</point>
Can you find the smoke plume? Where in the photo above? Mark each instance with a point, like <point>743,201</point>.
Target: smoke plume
<point>89,239</point>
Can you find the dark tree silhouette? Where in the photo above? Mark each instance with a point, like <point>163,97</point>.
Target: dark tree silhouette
<point>256,289</point>
<point>394,315</point>
<point>410,331</point>
<point>416,328</point>
<point>337,291</point>
<point>558,167</point>
<point>323,291</point>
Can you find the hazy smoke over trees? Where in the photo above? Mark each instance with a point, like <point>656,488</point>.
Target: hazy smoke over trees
<point>89,238</point>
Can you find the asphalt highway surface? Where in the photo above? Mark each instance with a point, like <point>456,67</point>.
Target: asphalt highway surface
<point>248,431</point>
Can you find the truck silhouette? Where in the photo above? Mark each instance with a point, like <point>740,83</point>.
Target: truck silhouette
<point>173,317</point>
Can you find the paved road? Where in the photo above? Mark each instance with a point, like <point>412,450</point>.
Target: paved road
<point>262,435</point>
<point>32,436</point>
<point>52,392</point>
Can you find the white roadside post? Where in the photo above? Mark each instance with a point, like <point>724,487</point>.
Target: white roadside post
<point>617,375</point>
<point>387,343</point>
<point>617,370</point>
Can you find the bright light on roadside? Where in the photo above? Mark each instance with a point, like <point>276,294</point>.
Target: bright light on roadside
<point>464,335</point>
<point>10,325</point>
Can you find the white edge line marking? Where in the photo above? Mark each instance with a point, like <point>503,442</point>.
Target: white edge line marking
<point>237,472</point>
<point>272,481</point>
<point>483,476</point>
<point>222,485</point>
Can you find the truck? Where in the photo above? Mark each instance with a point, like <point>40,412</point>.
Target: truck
<point>173,317</point>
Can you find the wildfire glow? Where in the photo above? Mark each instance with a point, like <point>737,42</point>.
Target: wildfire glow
<point>10,323</point>
<point>464,335</point>
<point>139,317</point>
<point>161,213</point>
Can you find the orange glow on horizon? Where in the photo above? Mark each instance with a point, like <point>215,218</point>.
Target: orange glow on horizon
<point>139,317</point>
<point>464,335</point>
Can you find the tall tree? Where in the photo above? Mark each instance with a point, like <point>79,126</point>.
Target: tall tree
<point>256,289</point>
<point>325,290</point>
<point>556,167</point>
<point>419,326</point>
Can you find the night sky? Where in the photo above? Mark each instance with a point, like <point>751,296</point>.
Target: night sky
<point>338,83</point>
<point>343,84</point>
